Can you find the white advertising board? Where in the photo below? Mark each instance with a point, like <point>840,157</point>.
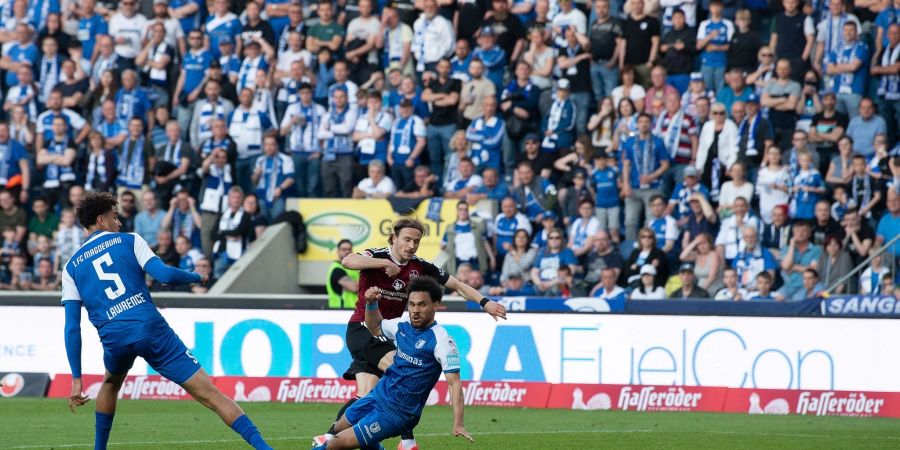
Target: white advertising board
<point>752,352</point>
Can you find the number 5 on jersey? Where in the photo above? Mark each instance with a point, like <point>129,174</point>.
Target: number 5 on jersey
<point>105,276</point>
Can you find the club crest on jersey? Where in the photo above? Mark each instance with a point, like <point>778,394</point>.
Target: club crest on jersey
<point>421,343</point>
<point>375,427</point>
<point>399,285</point>
<point>413,273</point>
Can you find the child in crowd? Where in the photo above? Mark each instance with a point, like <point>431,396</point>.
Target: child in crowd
<point>68,238</point>
<point>10,246</point>
<point>809,186</point>
<point>842,203</point>
<point>187,255</point>
<point>764,291</point>
<point>870,281</point>
<point>864,188</point>
<point>731,291</point>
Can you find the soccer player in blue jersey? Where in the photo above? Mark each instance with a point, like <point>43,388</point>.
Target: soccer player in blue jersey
<point>424,350</point>
<point>106,276</point>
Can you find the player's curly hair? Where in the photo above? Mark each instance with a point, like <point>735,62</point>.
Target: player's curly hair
<point>95,204</point>
<point>426,284</point>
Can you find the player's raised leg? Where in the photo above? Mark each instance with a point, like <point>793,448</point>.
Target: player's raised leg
<point>204,391</point>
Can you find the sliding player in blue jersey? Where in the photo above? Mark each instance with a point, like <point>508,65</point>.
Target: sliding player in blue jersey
<point>106,276</point>
<point>424,350</point>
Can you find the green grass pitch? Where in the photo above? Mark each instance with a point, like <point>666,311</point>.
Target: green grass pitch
<point>144,424</point>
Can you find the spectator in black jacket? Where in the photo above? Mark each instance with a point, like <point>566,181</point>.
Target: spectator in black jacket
<point>677,48</point>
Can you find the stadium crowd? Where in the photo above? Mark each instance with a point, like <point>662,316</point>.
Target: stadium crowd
<point>737,149</point>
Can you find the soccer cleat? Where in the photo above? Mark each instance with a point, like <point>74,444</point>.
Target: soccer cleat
<point>408,444</point>
<point>321,439</point>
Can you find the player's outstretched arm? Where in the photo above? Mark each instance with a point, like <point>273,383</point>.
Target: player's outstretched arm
<point>355,261</point>
<point>373,314</point>
<point>496,310</point>
<point>172,275</point>
<point>456,399</point>
<point>73,352</point>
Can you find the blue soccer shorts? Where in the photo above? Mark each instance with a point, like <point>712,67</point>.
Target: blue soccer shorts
<point>163,351</point>
<point>371,424</point>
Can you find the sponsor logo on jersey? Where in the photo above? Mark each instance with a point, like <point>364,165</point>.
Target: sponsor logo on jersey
<point>399,285</point>
<point>327,229</point>
<point>11,385</point>
<point>649,399</point>
<point>830,403</point>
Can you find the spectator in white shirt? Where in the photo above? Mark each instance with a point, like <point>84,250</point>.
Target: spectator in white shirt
<point>377,185</point>
<point>127,27</point>
<point>433,37</point>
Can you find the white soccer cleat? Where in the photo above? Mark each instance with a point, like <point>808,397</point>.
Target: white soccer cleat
<point>408,445</point>
<point>321,439</point>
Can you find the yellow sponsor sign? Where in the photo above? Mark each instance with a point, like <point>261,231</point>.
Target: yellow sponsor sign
<point>366,223</point>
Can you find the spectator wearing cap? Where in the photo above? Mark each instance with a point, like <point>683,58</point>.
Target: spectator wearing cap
<point>228,59</point>
<point>441,92</point>
<point>647,286</point>
<point>474,91</point>
<point>607,289</point>
<point>865,127</point>
<point>195,63</point>
<point>885,68</point>
<point>847,68</point>
<point>559,124</point>
<point>644,161</point>
<point>689,288</point>
<point>535,195</point>
<point>544,274</point>
<point>574,63</point>
<point>273,175</point>
<point>678,131</point>
<point>677,48</point>
<point>697,91</point>
<point>407,143</point>
<point>247,125</point>
<point>605,37</point>
<point>335,131</point>
<point>127,27</point>
<point>541,162</point>
<point>492,55</point>
<point>713,41</point>
<point>433,37</point>
<point>222,25</point>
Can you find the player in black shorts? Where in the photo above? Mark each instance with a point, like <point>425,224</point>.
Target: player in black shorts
<point>390,269</point>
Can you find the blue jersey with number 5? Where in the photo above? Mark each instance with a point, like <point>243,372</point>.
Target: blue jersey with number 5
<point>107,276</point>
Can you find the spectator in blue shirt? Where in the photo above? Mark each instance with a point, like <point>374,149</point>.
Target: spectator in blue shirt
<point>90,25</point>
<point>535,195</point>
<point>549,260</point>
<point>486,135</point>
<point>864,127</point>
<point>605,183</point>
<point>273,176</point>
<point>19,52</point>
<point>491,188</point>
<point>559,124</point>
<point>808,187</point>
<point>132,100</point>
<point>849,66</point>
<point>889,225</point>
<point>644,161</point>
<point>800,254</point>
<point>752,260</point>
<point>713,38</point>
<point>492,55</point>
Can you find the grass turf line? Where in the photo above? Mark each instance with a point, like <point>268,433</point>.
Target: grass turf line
<point>146,424</point>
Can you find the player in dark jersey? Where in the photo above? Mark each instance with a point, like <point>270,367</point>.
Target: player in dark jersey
<point>106,276</point>
<point>390,269</point>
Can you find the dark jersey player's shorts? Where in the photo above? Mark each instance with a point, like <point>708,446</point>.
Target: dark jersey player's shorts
<point>371,424</point>
<point>163,351</point>
<point>366,350</point>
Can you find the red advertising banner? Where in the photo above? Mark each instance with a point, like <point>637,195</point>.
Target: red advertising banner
<point>519,395</point>
<point>481,393</point>
<point>636,398</point>
<point>813,403</point>
<point>294,390</point>
<point>135,387</point>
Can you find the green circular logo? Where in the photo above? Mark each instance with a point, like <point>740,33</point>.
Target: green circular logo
<point>327,229</point>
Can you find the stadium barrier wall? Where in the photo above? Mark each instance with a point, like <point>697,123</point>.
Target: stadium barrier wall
<point>737,352</point>
<point>594,397</point>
